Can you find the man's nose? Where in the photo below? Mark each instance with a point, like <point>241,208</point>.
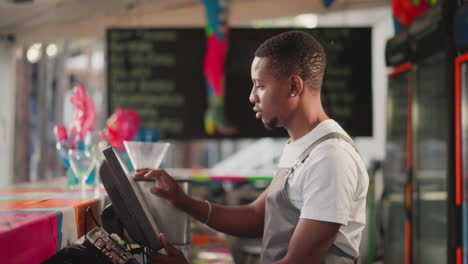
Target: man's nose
<point>253,98</point>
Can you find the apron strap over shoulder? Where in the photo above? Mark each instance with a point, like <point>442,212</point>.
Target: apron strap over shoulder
<point>328,136</point>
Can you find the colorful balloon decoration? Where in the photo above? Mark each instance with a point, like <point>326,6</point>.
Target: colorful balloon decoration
<point>85,114</point>
<point>122,125</point>
<point>84,119</point>
<point>328,3</point>
<point>405,11</point>
<point>216,30</point>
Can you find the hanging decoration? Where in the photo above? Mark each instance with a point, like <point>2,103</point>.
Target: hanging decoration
<point>217,30</point>
<point>328,3</point>
<point>405,11</point>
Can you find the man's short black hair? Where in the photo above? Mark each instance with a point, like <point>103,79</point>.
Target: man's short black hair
<point>295,52</point>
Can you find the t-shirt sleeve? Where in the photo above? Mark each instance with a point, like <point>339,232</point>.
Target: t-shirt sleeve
<point>328,186</point>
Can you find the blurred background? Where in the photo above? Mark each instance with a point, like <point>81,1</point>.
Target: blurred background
<point>146,71</point>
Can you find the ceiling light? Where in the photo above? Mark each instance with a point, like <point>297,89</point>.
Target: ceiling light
<point>52,50</point>
<point>34,53</point>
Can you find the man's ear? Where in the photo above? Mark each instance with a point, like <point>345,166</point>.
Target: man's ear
<point>296,85</point>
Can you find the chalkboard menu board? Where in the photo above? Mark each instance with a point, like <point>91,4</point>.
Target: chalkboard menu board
<point>159,73</point>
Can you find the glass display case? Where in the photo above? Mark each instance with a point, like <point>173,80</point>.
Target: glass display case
<point>461,131</point>
<point>423,220</point>
<point>431,168</point>
<point>462,175</point>
<point>395,164</point>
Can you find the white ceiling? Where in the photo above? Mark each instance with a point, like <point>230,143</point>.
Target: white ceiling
<point>63,19</point>
<point>37,12</point>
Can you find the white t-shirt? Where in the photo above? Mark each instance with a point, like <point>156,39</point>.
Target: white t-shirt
<point>331,185</point>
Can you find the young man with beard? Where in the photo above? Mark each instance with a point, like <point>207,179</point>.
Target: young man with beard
<point>314,209</point>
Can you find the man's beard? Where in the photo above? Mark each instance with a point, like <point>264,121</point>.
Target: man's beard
<point>272,124</point>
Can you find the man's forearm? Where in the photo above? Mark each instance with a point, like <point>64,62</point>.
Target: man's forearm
<point>303,260</point>
<point>242,220</point>
<point>310,242</point>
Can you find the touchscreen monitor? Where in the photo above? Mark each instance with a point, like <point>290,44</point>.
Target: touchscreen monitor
<point>128,201</point>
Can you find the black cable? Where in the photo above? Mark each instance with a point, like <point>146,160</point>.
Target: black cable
<point>90,211</point>
<point>86,224</point>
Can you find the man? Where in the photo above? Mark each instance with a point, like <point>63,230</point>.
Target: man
<point>314,209</point>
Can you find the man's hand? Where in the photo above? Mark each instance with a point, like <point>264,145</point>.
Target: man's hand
<point>174,255</point>
<point>242,220</point>
<point>166,187</point>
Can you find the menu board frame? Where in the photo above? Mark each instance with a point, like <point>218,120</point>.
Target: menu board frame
<point>180,103</point>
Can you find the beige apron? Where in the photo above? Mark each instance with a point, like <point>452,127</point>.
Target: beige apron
<point>281,217</point>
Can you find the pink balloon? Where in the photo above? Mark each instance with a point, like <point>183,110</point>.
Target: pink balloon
<point>84,118</point>
<point>60,132</point>
<point>122,125</point>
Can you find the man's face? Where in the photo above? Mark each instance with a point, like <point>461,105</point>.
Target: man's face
<point>269,94</point>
